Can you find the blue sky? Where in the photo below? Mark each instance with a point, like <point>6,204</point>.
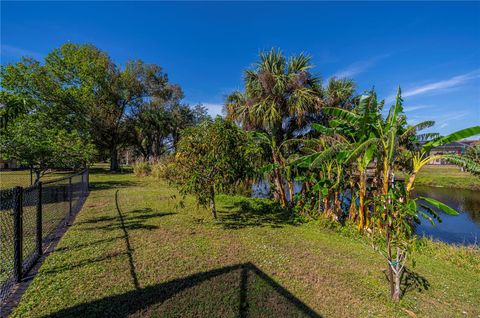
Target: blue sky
<point>431,49</point>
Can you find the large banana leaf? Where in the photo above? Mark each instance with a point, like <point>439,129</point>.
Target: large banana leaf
<point>355,152</point>
<point>395,109</point>
<point>469,165</point>
<point>323,130</point>
<point>442,206</point>
<point>305,161</point>
<point>412,130</point>
<point>341,113</point>
<point>461,134</point>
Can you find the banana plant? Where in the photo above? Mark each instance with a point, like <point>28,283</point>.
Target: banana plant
<point>421,157</point>
<point>325,156</point>
<point>359,128</point>
<point>396,237</point>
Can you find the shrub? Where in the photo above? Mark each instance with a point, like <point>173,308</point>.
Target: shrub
<point>162,168</point>
<point>141,169</point>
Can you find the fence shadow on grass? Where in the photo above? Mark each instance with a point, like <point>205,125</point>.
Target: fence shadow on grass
<point>82,263</point>
<point>132,220</point>
<point>240,290</point>
<point>255,212</point>
<point>129,222</point>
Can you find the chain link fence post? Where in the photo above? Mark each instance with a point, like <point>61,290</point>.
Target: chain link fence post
<point>70,197</point>
<point>17,233</point>
<point>88,179</point>
<point>34,214</point>
<point>39,219</point>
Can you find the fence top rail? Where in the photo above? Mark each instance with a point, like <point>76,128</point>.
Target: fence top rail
<point>34,186</point>
<point>65,178</point>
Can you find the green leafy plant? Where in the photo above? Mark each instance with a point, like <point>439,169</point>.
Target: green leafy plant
<point>36,142</point>
<point>393,232</point>
<point>212,157</point>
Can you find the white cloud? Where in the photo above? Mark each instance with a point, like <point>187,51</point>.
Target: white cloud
<point>13,51</point>
<point>441,120</point>
<point>416,107</point>
<point>358,67</point>
<point>440,85</point>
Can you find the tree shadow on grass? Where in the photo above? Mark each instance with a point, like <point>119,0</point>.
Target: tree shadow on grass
<point>413,281</point>
<point>255,212</point>
<point>111,184</point>
<point>410,281</point>
<point>240,290</point>
<point>106,170</point>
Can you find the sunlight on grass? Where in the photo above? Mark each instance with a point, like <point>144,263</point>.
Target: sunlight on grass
<point>188,265</point>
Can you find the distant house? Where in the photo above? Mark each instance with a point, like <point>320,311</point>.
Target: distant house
<point>454,148</point>
<point>8,164</point>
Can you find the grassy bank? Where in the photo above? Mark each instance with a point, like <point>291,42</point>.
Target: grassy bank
<point>447,177</point>
<point>131,251</point>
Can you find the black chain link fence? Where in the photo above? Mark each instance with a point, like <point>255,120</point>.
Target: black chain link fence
<point>25,177</point>
<point>28,218</point>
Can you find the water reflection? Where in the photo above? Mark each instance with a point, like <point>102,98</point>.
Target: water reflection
<point>461,229</point>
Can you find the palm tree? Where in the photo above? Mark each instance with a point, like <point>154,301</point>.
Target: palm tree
<point>281,97</point>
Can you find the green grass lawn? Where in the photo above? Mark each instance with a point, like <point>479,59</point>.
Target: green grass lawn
<point>133,252</point>
<point>447,177</point>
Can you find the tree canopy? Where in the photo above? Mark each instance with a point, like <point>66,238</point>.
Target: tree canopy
<point>80,87</point>
<point>40,145</point>
<point>282,97</point>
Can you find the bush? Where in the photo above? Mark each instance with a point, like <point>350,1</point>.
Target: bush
<point>141,169</point>
<point>163,168</point>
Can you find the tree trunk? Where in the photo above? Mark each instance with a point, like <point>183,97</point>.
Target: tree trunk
<point>398,276</point>
<point>212,202</point>
<point>386,177</point>
<point>337,204</point>
<point>390,269</point>
<point>326,205</point>
<point>361,196</point>
<point>278,181</point>
<point>291,189</point>
<point>351,210</point>
<point>114,159</point>
<point>37,176</point>
<point>396,292</point>
<point>279,188</point>
<point>411,180</point>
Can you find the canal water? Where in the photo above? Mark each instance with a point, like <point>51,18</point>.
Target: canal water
<point>461,229</point>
